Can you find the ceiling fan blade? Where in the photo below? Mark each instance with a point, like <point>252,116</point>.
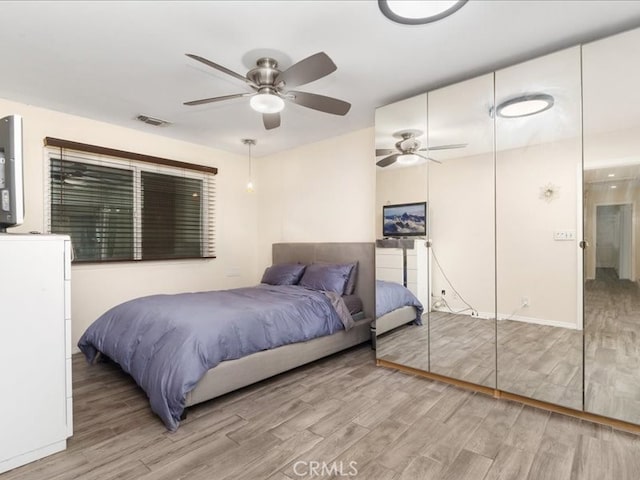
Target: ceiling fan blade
<point>445,147</point>
<point>217,99</point>
<point>384,151</point>
<point>271,120</point>
<point>430,158</point>
<point>386,161</point>
<point>320,102</point>
<point>222,69</point>
<point>307,70</point>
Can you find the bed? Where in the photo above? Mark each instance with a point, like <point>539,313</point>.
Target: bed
<point>175,373</point>
<point>395,306</point>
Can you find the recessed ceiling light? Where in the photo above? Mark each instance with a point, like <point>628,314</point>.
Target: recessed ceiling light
<point>412,12</point>
<point>611,175</point>
<point>525,105</point>
<point>614,186</point>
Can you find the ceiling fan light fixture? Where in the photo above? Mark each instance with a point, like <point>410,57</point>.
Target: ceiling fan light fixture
<point>74,181</point>
<point>267,103</point>
<point>525,105</point>
<point>412,12</point>
<point>408,159</point>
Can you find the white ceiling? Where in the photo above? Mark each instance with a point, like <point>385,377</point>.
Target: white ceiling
<point>112,61</point>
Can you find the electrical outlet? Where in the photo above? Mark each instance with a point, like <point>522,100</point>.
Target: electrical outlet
<point>233,272</point>
<point>525,302</point>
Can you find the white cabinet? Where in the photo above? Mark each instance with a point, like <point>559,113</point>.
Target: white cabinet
<point>35,347</point>
<point>414,274</point>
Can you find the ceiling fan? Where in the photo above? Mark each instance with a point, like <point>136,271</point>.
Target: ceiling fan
<point>405,150</point>
<point>271,87</point>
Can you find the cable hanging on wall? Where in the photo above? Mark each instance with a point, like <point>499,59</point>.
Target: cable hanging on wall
<point>444,275</point>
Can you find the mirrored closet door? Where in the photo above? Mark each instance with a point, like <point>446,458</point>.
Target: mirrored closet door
<point>402,266</point>
<point>538,227</point>
<point>611,79</point>
<point>461,231</point>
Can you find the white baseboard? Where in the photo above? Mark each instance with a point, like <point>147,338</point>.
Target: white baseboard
<point>517,318</point>
<point>32,456</point>
<point>539,321</point>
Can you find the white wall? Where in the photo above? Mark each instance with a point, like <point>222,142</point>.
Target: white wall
<point>321,192</point>
<point>462,228</point>
<point>95,288</point>
<point>530,263</point>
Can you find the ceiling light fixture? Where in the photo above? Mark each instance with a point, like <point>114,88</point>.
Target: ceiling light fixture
<point>250,142</point>
<point>408,159</point>
<point>614,186</point>
<point>525,105</point>
<point>611,175</point>
<point>266,102</point>
<point>412,12</point>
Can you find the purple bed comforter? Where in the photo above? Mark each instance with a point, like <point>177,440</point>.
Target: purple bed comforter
<point>390,296</point>
<point>168,342</point>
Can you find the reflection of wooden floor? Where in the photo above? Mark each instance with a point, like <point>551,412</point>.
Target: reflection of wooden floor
<point>536,361</point>
<point>612,346</point>
<point>463,347</point>
<point>407,345</point>
<point>540,362</point>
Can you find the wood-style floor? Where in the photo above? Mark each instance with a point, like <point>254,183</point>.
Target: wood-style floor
<point>340,409</point>
<point>612,346</point>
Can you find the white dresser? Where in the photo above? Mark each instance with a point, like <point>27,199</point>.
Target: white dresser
<point>390,266</point>
<point>35,347</point>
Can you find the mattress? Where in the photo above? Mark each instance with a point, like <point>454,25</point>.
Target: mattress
<point>168,342</point>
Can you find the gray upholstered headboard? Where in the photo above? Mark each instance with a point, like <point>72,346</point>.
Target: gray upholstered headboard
<point>363,253</point>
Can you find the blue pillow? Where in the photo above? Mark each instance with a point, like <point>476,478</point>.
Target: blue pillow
<point>326,277</point>
<point>283,274</point>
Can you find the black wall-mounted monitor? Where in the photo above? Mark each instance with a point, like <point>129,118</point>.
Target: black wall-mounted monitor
<point>11,173</point>
<point>404,220</point>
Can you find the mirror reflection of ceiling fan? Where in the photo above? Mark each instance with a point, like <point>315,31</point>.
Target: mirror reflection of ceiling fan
<point>271,87</point>
<point>405,151</point>
<point>78,174</point>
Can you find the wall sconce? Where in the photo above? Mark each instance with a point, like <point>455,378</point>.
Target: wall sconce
<point>549,192</point>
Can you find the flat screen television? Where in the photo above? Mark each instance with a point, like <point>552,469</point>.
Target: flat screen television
<point>11,181</point>
<point>404,220</point>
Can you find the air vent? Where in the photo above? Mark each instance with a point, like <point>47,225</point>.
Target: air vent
<point>156,122</point>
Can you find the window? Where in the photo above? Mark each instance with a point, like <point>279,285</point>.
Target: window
<point>116,209</point>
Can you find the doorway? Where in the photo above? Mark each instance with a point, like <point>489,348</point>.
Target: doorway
<point>614,240</point>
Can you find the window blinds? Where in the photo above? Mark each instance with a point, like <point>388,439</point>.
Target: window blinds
<point>127,210</point>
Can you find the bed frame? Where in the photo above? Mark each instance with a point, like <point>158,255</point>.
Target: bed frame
<point>234,374</point>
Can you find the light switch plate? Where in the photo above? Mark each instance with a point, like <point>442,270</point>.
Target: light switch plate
<point>564,235</point>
